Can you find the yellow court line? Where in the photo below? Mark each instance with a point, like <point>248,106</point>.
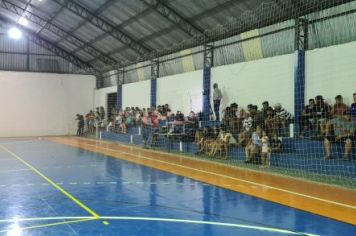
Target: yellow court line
<point>71,197</point>
<point>51,224</point>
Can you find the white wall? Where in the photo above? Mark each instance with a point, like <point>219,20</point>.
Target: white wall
<point>270,79</point>
<point>331,71</point>
<point>137,94</point>
<point>101,96</point>
<point>38,104</point>
<point>182,92</point>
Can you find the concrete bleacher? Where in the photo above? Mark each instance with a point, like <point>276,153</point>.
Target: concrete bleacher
<point>298,154</point>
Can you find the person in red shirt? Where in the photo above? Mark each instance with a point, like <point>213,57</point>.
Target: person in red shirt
<point>155,119</point>
<point>340,108</point>
<point>155,125</point>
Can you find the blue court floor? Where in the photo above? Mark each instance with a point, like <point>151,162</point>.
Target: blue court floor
<point>129,199</point>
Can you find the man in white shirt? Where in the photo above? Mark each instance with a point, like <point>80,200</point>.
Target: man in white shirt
<point>217,96</point>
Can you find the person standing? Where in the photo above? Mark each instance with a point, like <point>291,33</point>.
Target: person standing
<point>217,96</point>
<point>146,128</point>
<point>80,130</point>
<point>102,113</point>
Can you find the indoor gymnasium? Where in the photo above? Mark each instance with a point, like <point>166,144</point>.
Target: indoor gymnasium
<point>178,117</point>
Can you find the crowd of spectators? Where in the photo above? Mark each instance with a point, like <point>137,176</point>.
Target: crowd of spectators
<point>258,131</point>
<point>333,124</point>
<point>87,124</point>
<point>250,128</point>
<point>121,120</point>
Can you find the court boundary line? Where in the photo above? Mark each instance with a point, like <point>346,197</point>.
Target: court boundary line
<point>67,194</point>
<point>19,141</point>
<point>78,219</point>
<point>230,177</point>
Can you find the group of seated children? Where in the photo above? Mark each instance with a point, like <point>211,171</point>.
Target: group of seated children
<point>258,145</point>
<point>211,141</point>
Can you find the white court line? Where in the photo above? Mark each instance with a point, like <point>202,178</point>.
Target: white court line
<point>126,218</point>
<point>16,170</point>
<point>20,141</point>
<point>7,159</point>
<point>242,180</point>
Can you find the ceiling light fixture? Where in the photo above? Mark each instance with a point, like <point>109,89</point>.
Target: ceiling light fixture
<point>23,21</point>
<point>15,33</point>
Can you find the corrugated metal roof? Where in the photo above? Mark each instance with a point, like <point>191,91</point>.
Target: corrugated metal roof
<point>123,30</point>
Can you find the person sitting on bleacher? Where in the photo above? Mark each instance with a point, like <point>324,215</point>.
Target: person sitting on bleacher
<point>253,147</point>
<point>198,139</point>
<point>271,122</point>
<point>339,130</point>
<point>308,117</point>
<point>177,124</point>
<point>191,119</point>
<point>264,110</point>
<point>322,115</point>
<point>227,117</point>
<point>340,108</point>
<point>283,116</point>
<point>353,109</point>
<point>276,144</point>
<point>237,116</point>
<point>220,144</point>
<point>246,132</point>
<point>191,125</point>
<point>257,117</point>
<point>159,109</point>
<point>165,109</point>
<point>206,141</point>
<point>231,142</point>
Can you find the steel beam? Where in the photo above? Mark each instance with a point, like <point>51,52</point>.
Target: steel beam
<point>174,17</point>
<point>56,30</point>
<point>33,37</point>
<point>301,34</point>
<point>102,8</point>
<point>104,26</point>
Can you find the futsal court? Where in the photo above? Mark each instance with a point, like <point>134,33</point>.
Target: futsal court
<point>48,188</point>
<point>177,117</point>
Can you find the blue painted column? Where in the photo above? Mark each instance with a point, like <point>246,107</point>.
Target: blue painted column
<point>154,76</point>
<point>206,92</point>
<point>299,88</point>
<point>119,97</point>
<point>153,92</point>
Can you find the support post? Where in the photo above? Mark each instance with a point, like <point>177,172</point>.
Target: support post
<point>28,66</point>
<point>208,64</point>
<point>120,80</point>
<point>154,76</point>
<point>301,45</point>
